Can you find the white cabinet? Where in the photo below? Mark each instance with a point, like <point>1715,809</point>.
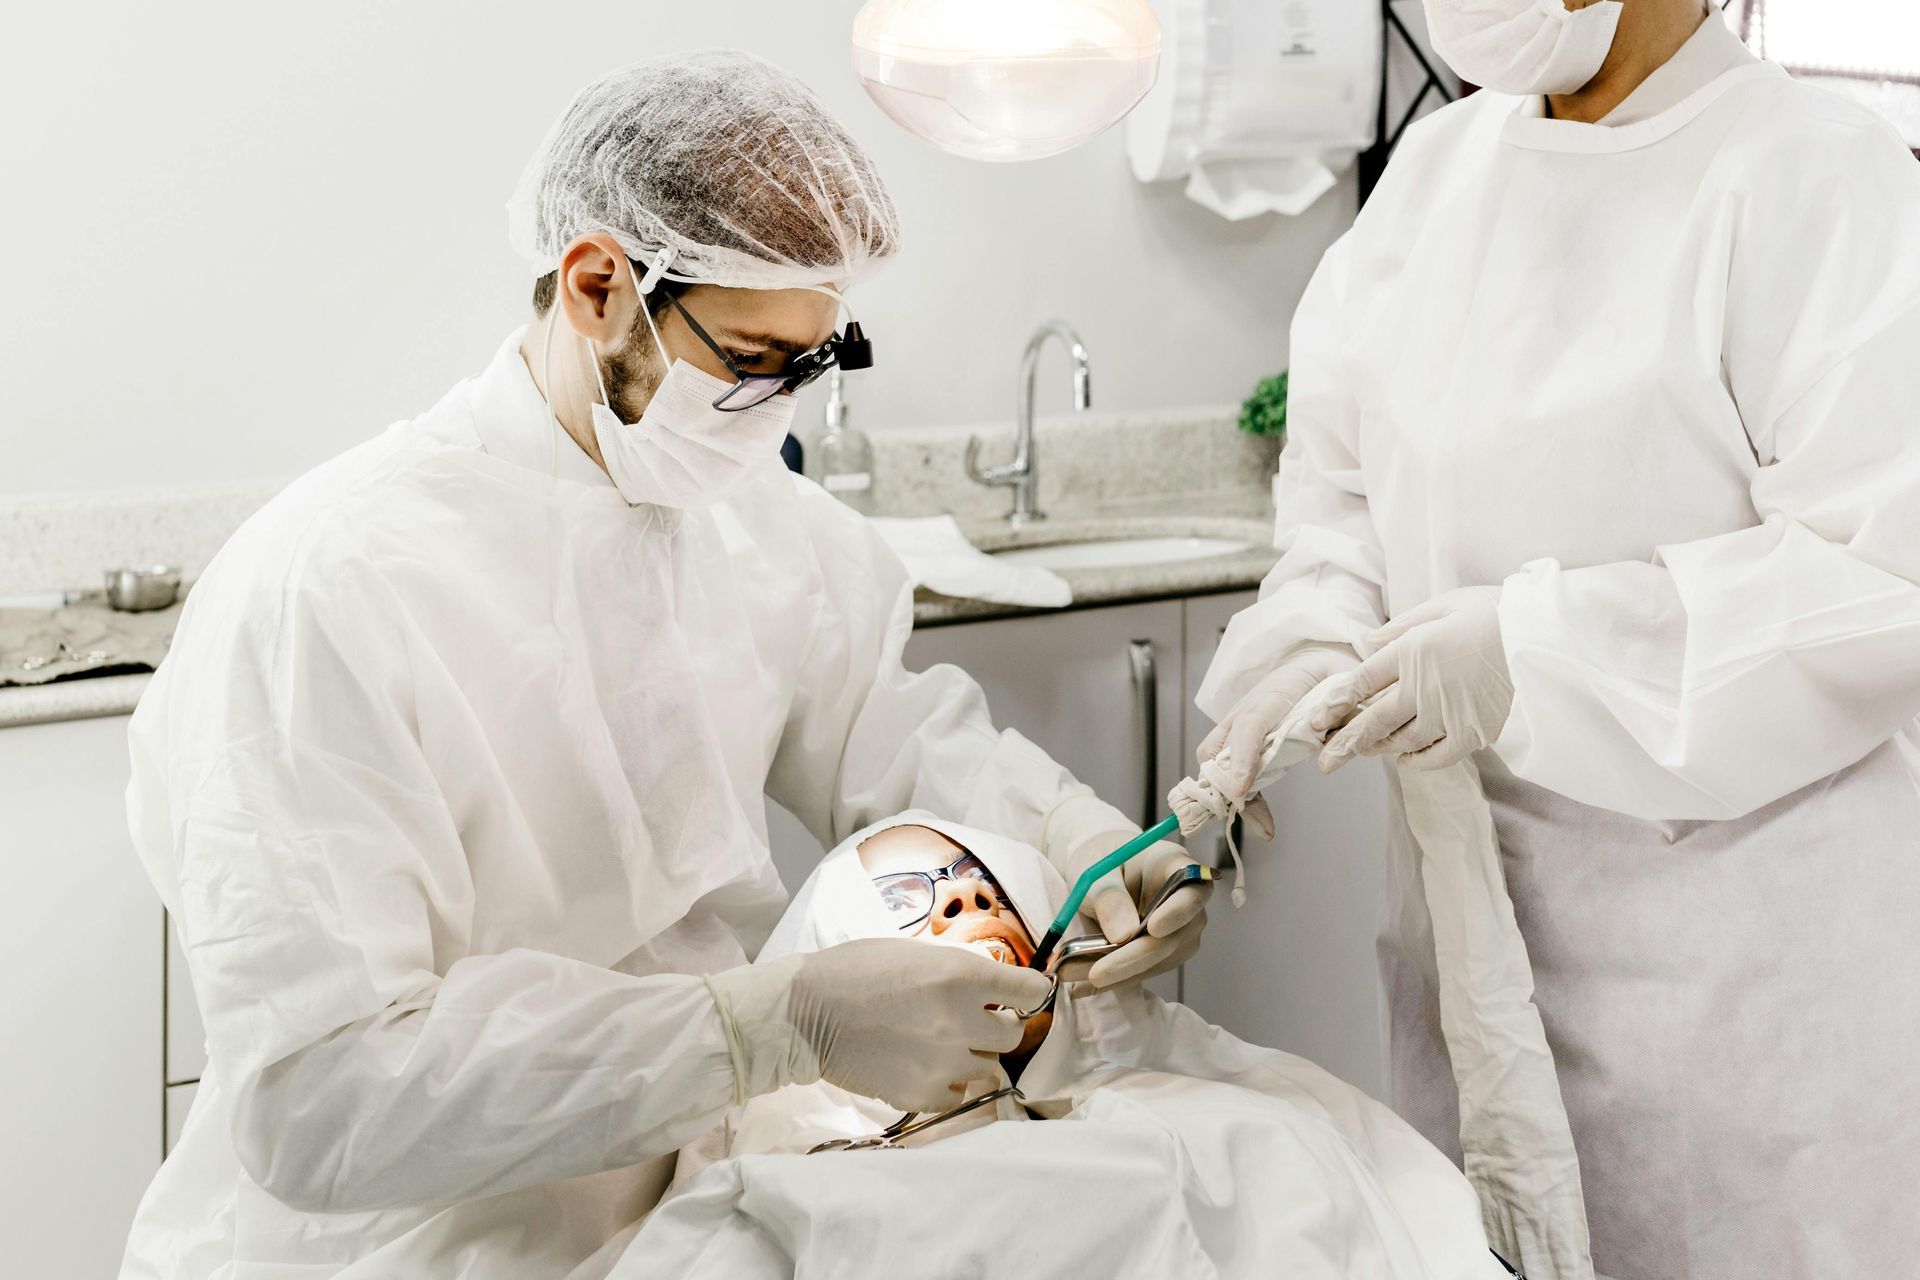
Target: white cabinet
<point>80,1056</point>
<point>179,1101</point>
<point>1295,968</point>
<point>1098,689</point>
<point>186,1037</point>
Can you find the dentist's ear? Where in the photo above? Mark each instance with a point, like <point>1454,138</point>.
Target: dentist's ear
<point>595,291</point>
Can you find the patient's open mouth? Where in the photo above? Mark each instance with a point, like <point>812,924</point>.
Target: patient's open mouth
<point>996,949</point>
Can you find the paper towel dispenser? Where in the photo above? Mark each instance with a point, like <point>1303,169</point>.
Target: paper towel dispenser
<point>1261,104</point>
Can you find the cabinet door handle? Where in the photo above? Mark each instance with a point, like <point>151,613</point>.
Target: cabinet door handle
<point>1146,716</point>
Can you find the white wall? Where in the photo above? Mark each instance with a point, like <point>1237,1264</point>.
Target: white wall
<point>238,238</point>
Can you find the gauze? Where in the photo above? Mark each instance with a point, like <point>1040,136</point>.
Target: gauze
<point>1202,798</point>
<point>1523,47</point>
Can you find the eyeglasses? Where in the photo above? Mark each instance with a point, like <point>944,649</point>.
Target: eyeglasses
<point>908,895</point>
<point>848,350</point>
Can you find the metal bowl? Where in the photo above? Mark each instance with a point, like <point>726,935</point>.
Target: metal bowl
<point>142,588</point>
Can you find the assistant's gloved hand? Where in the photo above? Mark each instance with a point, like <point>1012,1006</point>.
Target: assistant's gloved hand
<point>1436,690</point>
<point>1244,730</point>
<point>889,1018</point>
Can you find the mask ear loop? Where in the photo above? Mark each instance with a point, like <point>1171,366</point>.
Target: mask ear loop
<point>593,358</point>
<point>546,381</point>
<point>642,287</point>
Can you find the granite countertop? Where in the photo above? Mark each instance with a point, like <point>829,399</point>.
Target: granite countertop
<point>1105,476</point>
<point>1238,515</point>
<point>82,699</point>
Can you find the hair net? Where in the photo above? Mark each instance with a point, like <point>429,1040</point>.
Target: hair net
<point>718,159</point>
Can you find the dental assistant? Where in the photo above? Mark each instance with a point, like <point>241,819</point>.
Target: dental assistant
<point>1605,458</point>
<point>453,781</point>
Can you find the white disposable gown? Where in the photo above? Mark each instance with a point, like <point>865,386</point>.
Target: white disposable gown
<point>453,784</point>
<point>1662,382</point>
<point>1173,1152</point>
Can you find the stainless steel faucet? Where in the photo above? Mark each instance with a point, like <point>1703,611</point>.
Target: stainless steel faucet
<point>1022,475</point>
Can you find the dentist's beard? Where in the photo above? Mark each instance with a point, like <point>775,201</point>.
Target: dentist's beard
<point>633,373</point>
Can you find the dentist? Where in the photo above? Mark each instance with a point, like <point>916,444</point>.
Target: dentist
<point>453,782</point>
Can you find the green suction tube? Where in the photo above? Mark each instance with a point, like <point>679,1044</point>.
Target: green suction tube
<point>1167,827</point>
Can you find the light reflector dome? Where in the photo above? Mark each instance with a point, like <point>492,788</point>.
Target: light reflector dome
<point>1006,79</point>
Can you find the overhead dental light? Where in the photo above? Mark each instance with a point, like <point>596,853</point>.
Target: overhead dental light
<point>1006,79</point>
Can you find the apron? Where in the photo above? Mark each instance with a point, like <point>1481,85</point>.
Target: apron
<point>1549,332</point>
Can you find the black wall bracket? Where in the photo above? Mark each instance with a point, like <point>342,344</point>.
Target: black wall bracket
<point>1373,161</point>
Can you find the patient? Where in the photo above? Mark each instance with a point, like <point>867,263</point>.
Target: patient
<point>934,887</point>
<point>1143,1142</point>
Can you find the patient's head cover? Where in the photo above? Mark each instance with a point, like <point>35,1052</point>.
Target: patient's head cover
<point>855,892</point>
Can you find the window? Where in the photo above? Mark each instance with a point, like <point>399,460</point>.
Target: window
<point>1866,49</point>
<point>1867,39</point>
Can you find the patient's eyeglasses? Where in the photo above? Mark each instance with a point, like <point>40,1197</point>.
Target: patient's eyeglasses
<point>908,895</point>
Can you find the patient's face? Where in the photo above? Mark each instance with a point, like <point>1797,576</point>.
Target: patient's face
<point>939,892</point>
<point>935,889</point>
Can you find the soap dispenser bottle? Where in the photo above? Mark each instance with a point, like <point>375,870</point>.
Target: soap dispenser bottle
<point>843,455</point>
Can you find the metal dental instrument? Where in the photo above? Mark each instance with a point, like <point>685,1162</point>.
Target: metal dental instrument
<point>1084,885</point>
<point>1093,947</point>
<point>885,1135</point>
<point>889,1138</point>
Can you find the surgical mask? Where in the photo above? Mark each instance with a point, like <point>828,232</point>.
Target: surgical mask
<point>683,452</point>
<point>1523,47</point>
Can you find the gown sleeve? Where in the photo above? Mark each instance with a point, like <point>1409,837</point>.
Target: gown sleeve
<point>1329,585</point>
<point>1737,669</point>
<point>319,884</point>
<point>866,738</point>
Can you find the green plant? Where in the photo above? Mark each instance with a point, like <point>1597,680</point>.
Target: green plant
<point>1265,412</point>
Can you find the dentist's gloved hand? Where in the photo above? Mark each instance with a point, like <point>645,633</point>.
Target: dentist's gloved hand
<point>1436,690</point>
<point>1244,730</point>
<point>1173,931</point>
<point>912,1025</point>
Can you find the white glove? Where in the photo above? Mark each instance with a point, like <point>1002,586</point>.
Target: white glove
<point>1437,688</point>
<point>1244,730</point>
<point>1173,931</point>
<point>1081,830</point>
<point>911,1024</point>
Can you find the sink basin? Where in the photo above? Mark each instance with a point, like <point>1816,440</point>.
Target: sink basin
<point>1114,553</point>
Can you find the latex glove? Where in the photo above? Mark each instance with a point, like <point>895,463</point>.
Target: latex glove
<point>1436,690</point>
<point>1173,931</point>
<point>1244,730</point>
<point>913,1025</point>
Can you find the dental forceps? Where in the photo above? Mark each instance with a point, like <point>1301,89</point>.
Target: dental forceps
<point>1091,947</point>
<point>890,1138</point>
